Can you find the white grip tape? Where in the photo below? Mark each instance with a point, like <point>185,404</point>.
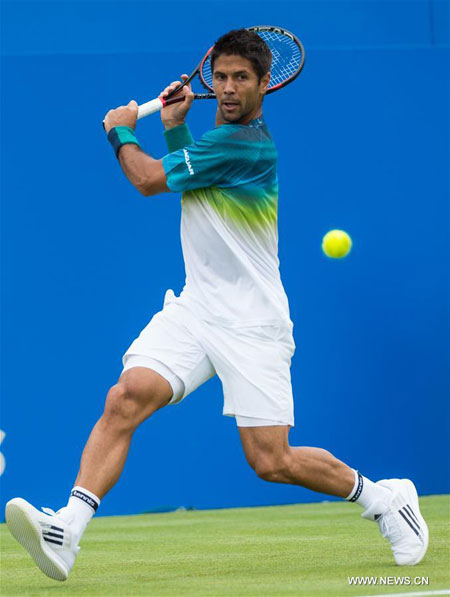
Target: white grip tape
<point>150,107</point>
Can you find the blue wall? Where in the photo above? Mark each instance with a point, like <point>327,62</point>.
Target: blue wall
<point>363,144</point>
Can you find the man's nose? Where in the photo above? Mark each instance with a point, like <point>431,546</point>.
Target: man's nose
<point>229,86</point>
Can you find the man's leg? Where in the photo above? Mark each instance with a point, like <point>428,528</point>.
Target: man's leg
<point>392,503</point>
<point>268,452</point>
<point>138,394</point>
<point>52,538</point>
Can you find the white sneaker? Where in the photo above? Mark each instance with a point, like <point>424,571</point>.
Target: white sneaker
<point>47,538</point>
<point>402,523</point>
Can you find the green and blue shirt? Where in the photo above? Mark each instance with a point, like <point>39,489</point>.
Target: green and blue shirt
<point>229,224</point>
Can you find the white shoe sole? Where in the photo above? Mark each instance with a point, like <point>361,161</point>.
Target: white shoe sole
<point>19,518</point>
<point>412,494</point>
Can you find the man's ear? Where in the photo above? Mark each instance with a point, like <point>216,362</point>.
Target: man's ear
<point>265,83</point>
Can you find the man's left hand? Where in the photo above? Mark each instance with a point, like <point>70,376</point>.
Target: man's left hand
<point>122,116</point>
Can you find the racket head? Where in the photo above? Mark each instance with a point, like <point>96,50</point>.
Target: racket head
<point>288,55</point>
<point>205,71</point>
<point>288,58</point>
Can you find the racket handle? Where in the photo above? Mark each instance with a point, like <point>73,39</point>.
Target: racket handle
<point>156,105</point>
<point>150,107</point>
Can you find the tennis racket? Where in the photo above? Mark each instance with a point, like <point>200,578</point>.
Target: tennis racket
<point>288,58</point>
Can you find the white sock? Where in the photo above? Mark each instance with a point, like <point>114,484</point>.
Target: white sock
<point>81,507</point>
<point>365,492</point>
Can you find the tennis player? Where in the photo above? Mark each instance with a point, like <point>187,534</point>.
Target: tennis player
<point>231,319</point>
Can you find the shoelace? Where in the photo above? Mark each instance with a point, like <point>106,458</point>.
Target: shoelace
<point>389,528</point>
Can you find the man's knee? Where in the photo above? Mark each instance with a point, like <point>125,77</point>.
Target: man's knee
<point>126,408</point>
<point>121,409</point>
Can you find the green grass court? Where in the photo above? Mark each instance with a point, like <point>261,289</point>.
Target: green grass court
<point>300,550</point>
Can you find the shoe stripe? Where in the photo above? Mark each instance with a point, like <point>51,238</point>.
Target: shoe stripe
<point>412,519</point>
<point>414,523</point>
<point>57,535</point>
<point>57,529</point>
<point>408,522</point>
<point>53,541</point>
<point>411,511</point>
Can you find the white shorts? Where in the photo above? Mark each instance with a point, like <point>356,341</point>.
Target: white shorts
<point>253,363</point>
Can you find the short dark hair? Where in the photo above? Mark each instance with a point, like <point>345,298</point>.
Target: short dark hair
<point>247,44</point>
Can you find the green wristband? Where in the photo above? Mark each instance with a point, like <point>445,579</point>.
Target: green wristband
<point>178,137</point>
<point>121,135</point>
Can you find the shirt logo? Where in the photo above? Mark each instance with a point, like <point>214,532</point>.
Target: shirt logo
<point>188,163</point>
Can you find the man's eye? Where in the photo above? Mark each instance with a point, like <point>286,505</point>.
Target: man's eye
<point>242,77</point>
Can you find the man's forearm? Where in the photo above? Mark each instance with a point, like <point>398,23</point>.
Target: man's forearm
<point>136,164</point>
<point>144,172</point>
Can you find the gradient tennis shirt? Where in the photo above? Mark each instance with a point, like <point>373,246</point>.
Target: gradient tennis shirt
<point>229,231</point>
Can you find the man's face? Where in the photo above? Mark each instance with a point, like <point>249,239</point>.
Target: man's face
<point>238,91</point>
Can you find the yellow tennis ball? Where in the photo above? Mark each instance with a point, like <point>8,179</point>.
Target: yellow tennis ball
<point>336,244</point>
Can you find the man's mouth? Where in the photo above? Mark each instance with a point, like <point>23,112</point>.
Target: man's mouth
<point>230,105</point>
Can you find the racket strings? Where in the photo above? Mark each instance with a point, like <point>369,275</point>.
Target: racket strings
<point>286,56</point>
<point>207,74</point>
